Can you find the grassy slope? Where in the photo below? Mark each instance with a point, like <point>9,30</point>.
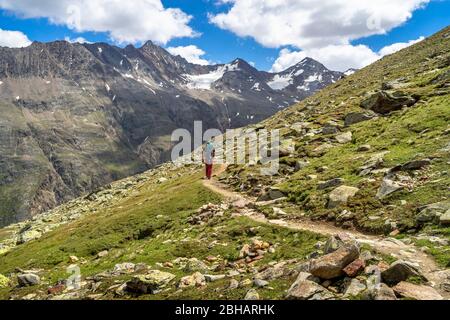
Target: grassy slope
<point>414,133</point>
<point>137,230</point>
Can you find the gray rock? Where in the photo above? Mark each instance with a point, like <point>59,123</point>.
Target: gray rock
<point>400,271</point>
<point>332,245</point>
<point>445,218</point>
<point>340,196</point>
<point>364,148</point>
<point>304,290</point>
<point>252,294</point>
<point>388,187</point>
<point>357,117</point>
<point>382,292</point>
<point>345,137</point>
<point>416,164</point>
<point>330,183</point>
<point>299,165</point>
<point>384,102</point>
<point>28,279</point>
<point>151,282</point>
<point>28,236</point>
<point>214,277</point>
<point>354,288</point>
<point>260,283</point>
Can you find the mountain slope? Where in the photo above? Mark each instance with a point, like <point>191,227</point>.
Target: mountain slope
<point>389,177</point>
<point>78,116</point>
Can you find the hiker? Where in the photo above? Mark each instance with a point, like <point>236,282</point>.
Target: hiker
<point>209,152</point>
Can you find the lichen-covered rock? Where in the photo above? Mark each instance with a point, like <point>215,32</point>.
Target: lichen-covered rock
<point>400,271</point>
<point>151,282</point>
<point>384,102</point>
<point>357,117</point>
<point>340,196</point>
<point>304,290</point>
<point>195,280</point>
<point>28,279</point>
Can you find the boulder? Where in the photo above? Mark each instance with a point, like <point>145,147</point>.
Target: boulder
<point>152,282</point>
<point>435,212</point>
<point>388,187</point>
<point>214,277</point>
<point>383,292</point>
<point>331,265</point>
<point>364,148</point>
<point>416,165</point>
<point>357,117</point>
<point>28,279</point>
<point>123,268</point>
<point>340,196</point>
<point>332,244</point>
<point>28,236</point>
<point>252,294</point>
<point>304,290</point>
<point>275,193</point>
<point>417,292</point>
<point>445,218</point>
<point>400,271</point>
<point>330,128</point>
<point>330,183</point>
<point>345,137</point>
<point>354,268</point>
<point>194,265</point>
<point>194,280</point>
<point>384,102</point>
<point>260,283</point>
<point>354,288</point>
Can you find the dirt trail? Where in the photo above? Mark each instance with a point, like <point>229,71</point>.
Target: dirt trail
<point>381,244</point>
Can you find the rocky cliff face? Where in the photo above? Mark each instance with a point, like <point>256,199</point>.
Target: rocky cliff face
<point>75,117</point>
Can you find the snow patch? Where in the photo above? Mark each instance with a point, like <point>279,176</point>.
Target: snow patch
<point>313,78</point>
<point>349,72</point>
<point>204,81</point>
<point>107,87</point>
<point>280,82</point>
<point>100,50</point>
<point>256,87</point>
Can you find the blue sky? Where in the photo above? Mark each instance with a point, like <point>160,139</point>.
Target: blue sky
<point>247,31</point>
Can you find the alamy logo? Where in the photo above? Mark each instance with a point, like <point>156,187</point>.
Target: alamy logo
<point>235,146</point>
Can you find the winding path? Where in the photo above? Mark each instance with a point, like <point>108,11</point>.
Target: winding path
<point>381,244</point>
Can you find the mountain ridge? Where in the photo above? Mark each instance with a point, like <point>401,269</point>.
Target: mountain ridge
<point>78,116</point>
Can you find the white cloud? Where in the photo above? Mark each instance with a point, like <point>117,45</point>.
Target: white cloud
<point>307,24</point>
<point>13,39</point>
<point>125,21</point>
<point>191,53</point>
<point>77,40</point>
<point>398,46</point>
<point>338,57</point>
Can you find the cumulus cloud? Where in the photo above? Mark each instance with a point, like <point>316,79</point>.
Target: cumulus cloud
<point>77,40</point>
<point>338,57</point>
<point>398,46</point>
<point>125,21</point>
<point>191,53</point>
<point>13,39</point>
<point>306,24</point>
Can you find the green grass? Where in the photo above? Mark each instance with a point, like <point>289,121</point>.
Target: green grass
<point>151,226</point>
